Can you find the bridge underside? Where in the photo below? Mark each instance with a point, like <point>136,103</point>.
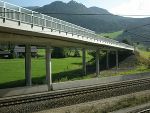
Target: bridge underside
<point>14,36</point>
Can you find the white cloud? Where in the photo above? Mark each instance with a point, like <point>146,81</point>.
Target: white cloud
<point>133,7</point>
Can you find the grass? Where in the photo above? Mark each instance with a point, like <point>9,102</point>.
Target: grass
<point>41,52</point>
<point>141,65</point>
<point>13,69</point>
<point>12,72</point>
<point>112,35</point>
<point>136,70</point>
<point>144,54</point>
<point>128,103</point>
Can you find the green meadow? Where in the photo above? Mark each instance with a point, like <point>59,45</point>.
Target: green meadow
<point>112,35</point>
<point>12,71</point>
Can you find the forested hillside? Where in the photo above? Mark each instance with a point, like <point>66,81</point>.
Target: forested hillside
<point>104,22</point>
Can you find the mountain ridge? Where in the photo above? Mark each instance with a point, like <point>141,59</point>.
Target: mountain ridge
<point>103,23</point>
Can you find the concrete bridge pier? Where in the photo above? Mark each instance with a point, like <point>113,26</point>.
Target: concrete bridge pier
<point>107,59</point>
<point>117,64</point>
<point>84,60</point>
<point>48,67</point>
<point>28,78</point>
<point>97,62</point>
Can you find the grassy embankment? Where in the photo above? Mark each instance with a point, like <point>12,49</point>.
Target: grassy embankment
<point>142,64</point>
<point>145,54</point>
<point>140,67</point>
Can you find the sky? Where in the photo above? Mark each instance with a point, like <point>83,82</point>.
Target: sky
<point>120,7</point>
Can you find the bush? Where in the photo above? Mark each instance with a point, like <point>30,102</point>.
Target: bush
<point>126,41</point>
<point>149,63</point>
<point>76,53</point>
<point>59,53</point>
<point>141,60</point>
<point>112,57</point>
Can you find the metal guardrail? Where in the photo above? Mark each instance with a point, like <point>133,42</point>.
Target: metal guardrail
<point>22,15</point>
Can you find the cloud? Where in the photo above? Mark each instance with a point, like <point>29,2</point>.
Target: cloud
<point>133,7</point>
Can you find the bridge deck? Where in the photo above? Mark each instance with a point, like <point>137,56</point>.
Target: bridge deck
<point>20,25</point>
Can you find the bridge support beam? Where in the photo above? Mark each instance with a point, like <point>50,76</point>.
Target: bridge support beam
<point>97,62</point>
<point>107,59</point>
<point>84,60</point>
<point>117,64</point>
<point>48,67</point>
<point>28,78</point>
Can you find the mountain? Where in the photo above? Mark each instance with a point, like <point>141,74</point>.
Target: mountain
<point>138,32</point>
<point>32,7</point>
<point>96,23</point>
<point>104,23</point>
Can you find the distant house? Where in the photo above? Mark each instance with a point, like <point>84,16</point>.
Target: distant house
<point>20,51</point>
<point>4,54</point>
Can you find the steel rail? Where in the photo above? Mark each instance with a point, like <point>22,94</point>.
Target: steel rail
<point>144,111</point>
<point>75,92</point>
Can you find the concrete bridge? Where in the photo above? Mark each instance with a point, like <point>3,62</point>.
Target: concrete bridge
<point>22,26</point>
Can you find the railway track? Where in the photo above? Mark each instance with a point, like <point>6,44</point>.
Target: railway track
<point>37,102</point>
<point>141,110</point>
<point>144,111</point>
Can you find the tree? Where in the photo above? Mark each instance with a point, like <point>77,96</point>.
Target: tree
<point>76,53</point>
<point>126,41</point>
<point>11,50</point>
<point>106,36</point>
<point>59,52</point>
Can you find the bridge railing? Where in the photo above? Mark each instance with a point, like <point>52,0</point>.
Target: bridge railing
<point>23,15</point>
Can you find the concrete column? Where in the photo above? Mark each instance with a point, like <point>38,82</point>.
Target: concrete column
<point>117,65</point>
<point>84,60</point>
<point>48,67</point>
<point>28,78</point>
<point>97,62</point>
<point>107,59</point>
